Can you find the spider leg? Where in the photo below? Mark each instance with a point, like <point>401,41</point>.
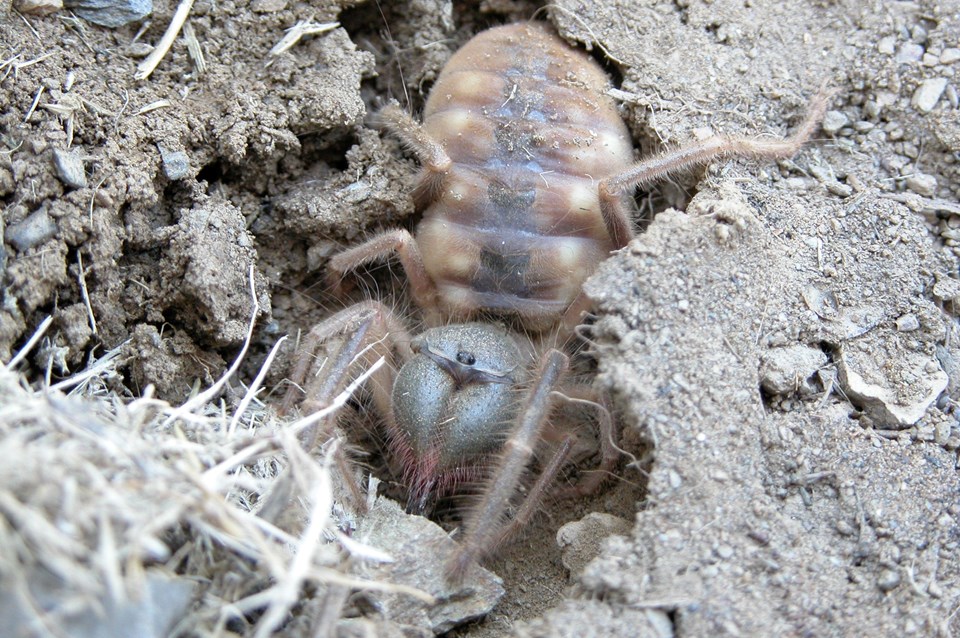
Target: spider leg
<point>401,243</point>
<point>532,500</point>
<point>433,158</point>
<point>367,323</point>
<point>484,523</point>
<point>436,166</point>
<point>414,136</point>
<point>372,331</point>
<point>591,480</point>
<point>613,189</point>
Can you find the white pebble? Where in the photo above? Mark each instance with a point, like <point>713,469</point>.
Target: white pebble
<point>887,45</point>
<point>922,184</point>
<point>833,121</point>
<point>907,323</point>
<point>909,52</point>
<point>928,94</point>
<point>949,56</point>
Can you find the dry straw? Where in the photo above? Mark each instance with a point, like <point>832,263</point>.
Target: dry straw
<point>112,509</point>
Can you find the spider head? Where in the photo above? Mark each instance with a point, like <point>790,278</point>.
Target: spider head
<point>453,404</point>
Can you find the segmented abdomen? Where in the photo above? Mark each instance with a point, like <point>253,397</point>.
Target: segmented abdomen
<point>527,123</point>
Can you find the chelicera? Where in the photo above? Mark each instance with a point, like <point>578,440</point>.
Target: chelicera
<point>526,182</point>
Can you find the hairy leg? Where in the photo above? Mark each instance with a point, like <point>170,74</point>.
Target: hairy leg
<point>372,330</point>
<point>607,435</point>
<point>434,159</point>
<point>614,188</point>
<point>393,242</point>
<point>484,523</point>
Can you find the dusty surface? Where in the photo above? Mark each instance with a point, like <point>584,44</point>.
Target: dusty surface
<point>785,349</point>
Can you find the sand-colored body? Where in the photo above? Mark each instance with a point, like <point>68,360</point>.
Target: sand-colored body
<point>530,131</point>
<point>526,184</point>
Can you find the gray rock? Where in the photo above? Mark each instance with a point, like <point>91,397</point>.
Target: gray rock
<point>864,379</point>
<point>909,52</point>
<point>581,541</point>
<point>927,95</point>
<point>950,363</point>
<point>790,369</point>
<point>69,168</point>
<point>420,551</point>
<point>164,601</point>
<point>889,580</point>
<point>176,164</point>
<point>922,184</point>
<point>949,56</point>
<point>887,45</point>
<point>32,231</point>
<point>833,121</point>
<point>111,13</point>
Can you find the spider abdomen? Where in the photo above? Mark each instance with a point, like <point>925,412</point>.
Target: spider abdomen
<point>516,226</point>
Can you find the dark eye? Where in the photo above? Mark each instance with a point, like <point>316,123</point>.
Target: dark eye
<point>466,358</point>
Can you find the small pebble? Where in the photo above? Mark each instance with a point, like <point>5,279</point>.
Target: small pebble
<point>922,184</point>
<point>889,580</point>
<point>833,121</point>
<point>356,192</point>
<point>927,95</point>
<point>887,45</point>
<point>876,136</point>
<point>32,231</point>
<point>37,7</point>
<point>799,183</point>
<point>821,173</point>
<point>69,168</point>
<point>137,50</point>
<point>907,323</point>
<point>841,190</point>
<point>871,109</point>
<point>949,56</point>
<point>111,13</point>
<point>930,60</point>
<point>894,163</point>
<point>909,52</point>
<point>952,97</point>
<point>941,433</point>
<point>675,480</point>
<point>176,164</point>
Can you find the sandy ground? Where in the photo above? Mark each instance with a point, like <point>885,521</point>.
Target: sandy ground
<point>780,342</point>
